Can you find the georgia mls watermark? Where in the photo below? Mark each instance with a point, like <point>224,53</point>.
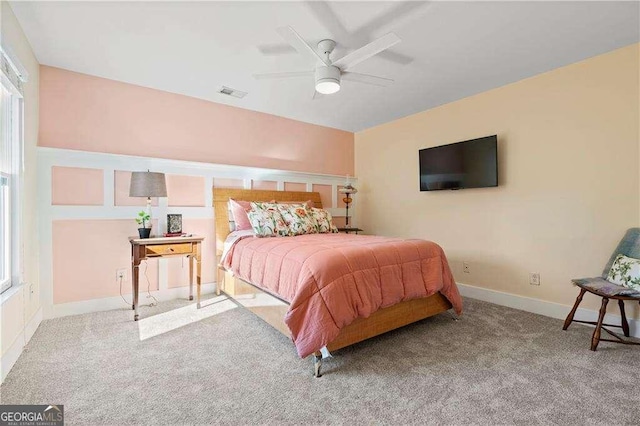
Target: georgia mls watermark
<point>31,415</point>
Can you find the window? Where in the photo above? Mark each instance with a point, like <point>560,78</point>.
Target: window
<point>10,174</point>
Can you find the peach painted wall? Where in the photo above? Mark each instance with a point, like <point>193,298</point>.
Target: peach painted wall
<point>228,183</point>
<point>293,186</point>
<point>269,185</point>
<point>86,255</point>
<point>325,194</point>
<point>87,113</point>
<point>568,146</point>
<point>185,191</point>
<point>75,186</point>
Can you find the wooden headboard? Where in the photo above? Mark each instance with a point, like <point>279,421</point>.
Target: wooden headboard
<point>221,198</point>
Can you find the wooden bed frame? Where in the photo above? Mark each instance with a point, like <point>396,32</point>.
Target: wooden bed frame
<point>272,310</point>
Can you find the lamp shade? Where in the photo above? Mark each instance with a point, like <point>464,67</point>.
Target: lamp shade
<point>147,184</point>
<point>348,189</point>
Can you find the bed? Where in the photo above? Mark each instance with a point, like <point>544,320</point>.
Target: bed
<point>296,304</point>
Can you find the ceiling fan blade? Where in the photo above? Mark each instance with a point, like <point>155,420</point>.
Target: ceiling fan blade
<point>276,75</point>
<point>294,39</point>
<point>328,18</point>
<point>276,49</point>
<point>395,17</point>
<point>367,51</point>
<point>395,57</point>
<point>367,79</point>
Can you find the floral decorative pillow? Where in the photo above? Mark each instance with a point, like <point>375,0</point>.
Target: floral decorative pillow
<point>625,271</point>
<point>308,204</point>
<point>299,218</point>
<point>324,222</point>
<point>267,221</point>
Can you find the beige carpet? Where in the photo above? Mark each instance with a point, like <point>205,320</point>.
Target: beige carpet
<point>493,366</point>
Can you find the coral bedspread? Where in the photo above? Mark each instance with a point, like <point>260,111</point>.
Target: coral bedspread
<point>332,279</point>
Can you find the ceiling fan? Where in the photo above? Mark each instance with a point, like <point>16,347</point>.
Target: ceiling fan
<point>329,74</point>
<point>393,18</point>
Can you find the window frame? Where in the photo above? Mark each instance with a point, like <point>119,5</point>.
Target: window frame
<point>12,134</point>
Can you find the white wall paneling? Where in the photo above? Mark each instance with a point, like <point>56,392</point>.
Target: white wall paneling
<point>109,163</point>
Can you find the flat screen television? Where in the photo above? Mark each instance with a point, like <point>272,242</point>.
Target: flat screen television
<point>467,164</point>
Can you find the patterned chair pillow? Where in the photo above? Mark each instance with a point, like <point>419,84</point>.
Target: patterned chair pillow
<point>267,221</point>
<point>625,271</point>
<point>298,218</point>
<point>324,222</point>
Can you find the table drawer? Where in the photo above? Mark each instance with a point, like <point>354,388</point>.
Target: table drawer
<point>165,249</point>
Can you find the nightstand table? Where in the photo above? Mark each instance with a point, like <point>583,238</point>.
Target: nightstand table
<point>350,230</point>
<point>146,248</point>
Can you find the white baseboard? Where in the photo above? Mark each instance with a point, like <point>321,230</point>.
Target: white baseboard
<point>32,325</point>
<point>541,307</point>
<point>11,356</point>
<point>13,353</point>
<point>116,302</point>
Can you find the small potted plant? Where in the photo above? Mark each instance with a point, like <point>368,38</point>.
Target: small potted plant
<point>145,220</point>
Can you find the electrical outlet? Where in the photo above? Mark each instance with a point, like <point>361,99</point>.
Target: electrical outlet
<point>465,268</point>
<point>121,274</point>
<point>534,278</point>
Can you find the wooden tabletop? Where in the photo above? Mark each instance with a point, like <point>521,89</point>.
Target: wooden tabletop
<point>164,240</point>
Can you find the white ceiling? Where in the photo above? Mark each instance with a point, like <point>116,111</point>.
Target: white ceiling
<point>193,48</point>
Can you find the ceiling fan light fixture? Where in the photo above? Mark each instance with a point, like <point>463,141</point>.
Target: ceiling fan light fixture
<point>327,79</point>
<point>327,86</point>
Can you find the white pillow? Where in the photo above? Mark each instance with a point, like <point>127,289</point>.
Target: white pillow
<point>625,271</point>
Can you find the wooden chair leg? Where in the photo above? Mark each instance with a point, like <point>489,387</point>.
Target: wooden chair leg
<point>567,322</point>
<point>596,333</point>
<point>625,324</point>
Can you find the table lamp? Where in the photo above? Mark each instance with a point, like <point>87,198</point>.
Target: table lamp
<point>347,190</point>
<point>147,184</point>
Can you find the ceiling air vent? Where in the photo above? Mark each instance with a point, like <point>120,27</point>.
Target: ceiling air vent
<point>232,92</point>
